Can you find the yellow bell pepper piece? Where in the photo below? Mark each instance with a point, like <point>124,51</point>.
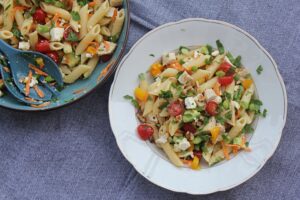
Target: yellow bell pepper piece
<point>141,94</point>
<point>156,69</point>
<point>247,83</point>
<point>91,50</point>
<point>195,163</point>
<point>40,62</point>
<point>214,134</point>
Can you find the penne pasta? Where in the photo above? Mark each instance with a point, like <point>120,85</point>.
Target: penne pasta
<point>76,73</point>
<point>84,14</point>
<point>98,15</point>
<point>92,63</point>
<point>52,10</point>
<point>92,34</point>
<point>116,25</point>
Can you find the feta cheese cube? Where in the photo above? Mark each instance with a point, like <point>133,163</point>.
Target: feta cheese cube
<point>217,99</point>
<point>190,103</point>
<point>215,53</point>
<point>196,54</point>
<point>110,12</point>
<point>184,78</point>
<point>209,94</point>
<point>161,140</point>
<point>56,34</point>
<point>168,57</point>
<point>182,145</point>
<point>24,45</point>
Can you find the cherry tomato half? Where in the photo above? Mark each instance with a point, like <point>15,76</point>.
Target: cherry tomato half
<point>211,108</point>
<point>198,154</point>
<point>39,16</point>
<point>225,80</point>
<point>175,108</point>
<point>105,58</point>
<point>43,46</point>
<point>189,127</point>
<point>53,55</point>
<point>145,131</point>
<point>225,66</point>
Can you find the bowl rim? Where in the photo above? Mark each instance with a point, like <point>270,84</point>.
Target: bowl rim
<point>282,84</point>
<point>111,70</point>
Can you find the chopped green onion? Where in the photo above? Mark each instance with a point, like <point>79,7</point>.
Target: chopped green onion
<point>220,47</point>
<point>165,94</point>
<point>237,61</point>
<point>133,101</point>
<point>259,69</point>
<point>194,68</point>
<point>230,57</point>
<point>220,73</point>
<point>75,16</point>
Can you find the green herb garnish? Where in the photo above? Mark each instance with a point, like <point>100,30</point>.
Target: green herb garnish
<point>230,57</point>
<point>72,37</point>
<point>247,129</point>
<point>220,47</point>
<point>152,55</point>
<point>259,69</point>
<point>75,16</point>
<point>164,105</point>
<point>194,68</point>
<point>133,101</point>
<point>237,61</point>
<point>165,94</point>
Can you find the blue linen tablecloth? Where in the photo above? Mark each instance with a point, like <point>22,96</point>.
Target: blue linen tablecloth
<point>71,153</point>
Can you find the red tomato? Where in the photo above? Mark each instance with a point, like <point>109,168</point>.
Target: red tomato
<point>211,108</point>
<point>105,58</point>
<point>39,16</point>
<point>175,108</point>
<point>145,131</point>
<point>225,80</point>
<point>189,127</point>
<point>198,154</point>
<point>225,66</point>
<point>43,46</point>
<point>53,55</point>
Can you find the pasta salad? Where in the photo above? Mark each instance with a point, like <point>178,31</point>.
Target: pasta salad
<point>199,106</point>
<point>76,34</point>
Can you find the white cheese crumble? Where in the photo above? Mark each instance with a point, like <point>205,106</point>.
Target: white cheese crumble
<point>184,78</point>
<point>215,53</point>
<point>210,95</point>
<point>33,81</point>
<point>196,54</point>
<point>56,34</point>
<point>182,145</point>
<point>161,140</point>
<point>24,45</point>
<point>190,103</point>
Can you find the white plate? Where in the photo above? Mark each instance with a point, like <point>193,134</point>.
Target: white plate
<point>151,162</point>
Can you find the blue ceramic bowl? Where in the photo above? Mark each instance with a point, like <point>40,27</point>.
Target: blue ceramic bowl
<point>83,87</point>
